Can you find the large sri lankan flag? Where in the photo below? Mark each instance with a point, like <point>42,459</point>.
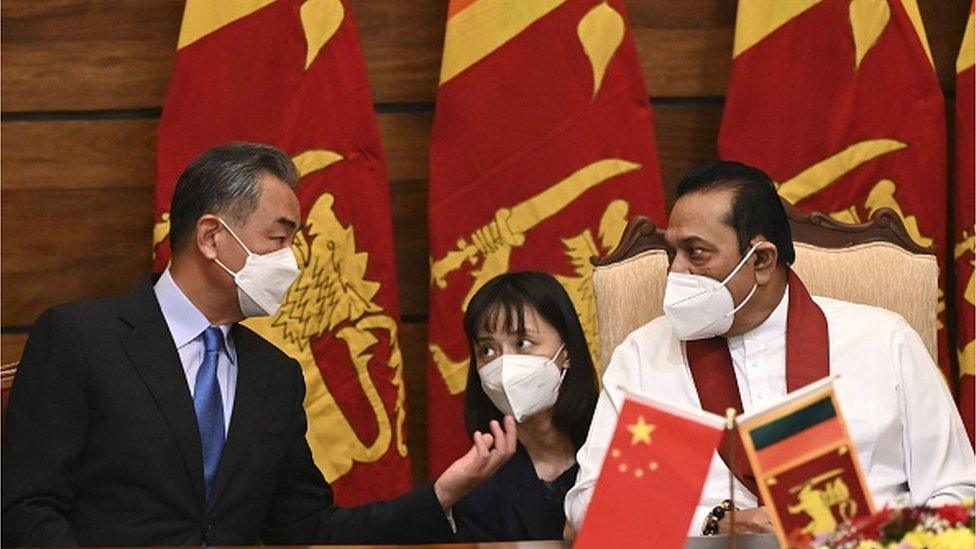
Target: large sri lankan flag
<point>839,102</point>
<point>542,148</point>
<point>965,235</point>
<point>291,73</point>
<point>805,463</point>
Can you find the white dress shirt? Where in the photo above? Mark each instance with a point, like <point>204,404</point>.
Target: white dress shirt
<point>911,442</point>
<point>759,359</point>
<point>186,324</point>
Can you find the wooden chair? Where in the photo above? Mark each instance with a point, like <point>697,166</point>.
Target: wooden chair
<point>874,263</point>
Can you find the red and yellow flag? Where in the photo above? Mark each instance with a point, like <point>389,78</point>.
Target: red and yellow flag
<point>838,101</point>
<point>652,476</point>
<point>542,148</point>
<point>965,223</point>
<point>291,73</point>
<point>805,464</point>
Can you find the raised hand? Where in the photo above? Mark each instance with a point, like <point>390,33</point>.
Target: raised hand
<point>488,453</point>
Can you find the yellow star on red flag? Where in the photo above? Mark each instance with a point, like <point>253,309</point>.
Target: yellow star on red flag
<point>641,431</point>
<point>638,481</point>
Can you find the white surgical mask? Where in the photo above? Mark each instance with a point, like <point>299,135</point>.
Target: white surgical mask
<point>699,307</point>
<point>522,385</point>
<point>263,281</point>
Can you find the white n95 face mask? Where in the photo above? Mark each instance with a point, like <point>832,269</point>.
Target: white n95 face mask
<point>263,281</point>
<point>699,307</point>
<point>522,385</point>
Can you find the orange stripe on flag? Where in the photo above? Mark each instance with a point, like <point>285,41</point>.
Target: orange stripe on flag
<point>799,444</point>
<point>457,6</point>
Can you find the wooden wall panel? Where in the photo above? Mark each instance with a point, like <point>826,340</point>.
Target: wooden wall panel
<point>403,53</point>
<point>405,136</point>
<point>69,244</point>
<point>11,347</point>
<point>75,211</point>
<point>77,201</point>
<point>112,153</point>
<point>78,154</point>
<point>87,55</point>
<point>409,199</point>
<point>687,136</point>
<point>945,21</point>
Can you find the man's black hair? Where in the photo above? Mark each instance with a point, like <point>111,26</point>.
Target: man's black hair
<point>756,208</point>
<point>224,180</point>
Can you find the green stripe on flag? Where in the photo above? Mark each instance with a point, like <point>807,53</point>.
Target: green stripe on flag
<point>791,424</point>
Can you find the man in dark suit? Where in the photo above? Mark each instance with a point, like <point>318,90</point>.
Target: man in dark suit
<point>155,419</point>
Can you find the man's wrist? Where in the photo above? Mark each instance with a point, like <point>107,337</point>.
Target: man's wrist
<point>445,496</point>
<point>710,526</point>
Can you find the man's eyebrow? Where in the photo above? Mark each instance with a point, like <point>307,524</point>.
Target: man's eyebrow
<point>290,223</point>
<point>693,240</point>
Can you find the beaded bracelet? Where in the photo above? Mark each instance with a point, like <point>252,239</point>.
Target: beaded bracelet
<point>710,527</point>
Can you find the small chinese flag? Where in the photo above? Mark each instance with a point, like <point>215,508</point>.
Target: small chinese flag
<point>805,463</point>
<point>652,476</point>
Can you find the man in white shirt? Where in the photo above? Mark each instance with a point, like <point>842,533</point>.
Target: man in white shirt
<point>730,289</point>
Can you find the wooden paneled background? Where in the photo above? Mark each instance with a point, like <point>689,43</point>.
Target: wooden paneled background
<point>83,82</point>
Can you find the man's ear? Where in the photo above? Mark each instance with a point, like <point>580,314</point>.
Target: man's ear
<point>205,235</point>
<point>764,261</point>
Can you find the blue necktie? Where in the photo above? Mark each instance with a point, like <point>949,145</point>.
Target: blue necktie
<point>209,408</point>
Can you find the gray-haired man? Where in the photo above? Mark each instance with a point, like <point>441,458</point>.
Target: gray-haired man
<point>154,418</point>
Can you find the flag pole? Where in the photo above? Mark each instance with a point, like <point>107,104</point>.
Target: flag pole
<point>730,427</point>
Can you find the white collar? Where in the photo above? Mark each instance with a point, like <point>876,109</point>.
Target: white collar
<point>184,320</point>
<point>774,326</point>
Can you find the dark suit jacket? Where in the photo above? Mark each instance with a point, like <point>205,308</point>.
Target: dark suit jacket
<point>101,445</point>
<point>515,505</point>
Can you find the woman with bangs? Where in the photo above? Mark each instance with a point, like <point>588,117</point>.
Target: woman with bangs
<point>529,360</point>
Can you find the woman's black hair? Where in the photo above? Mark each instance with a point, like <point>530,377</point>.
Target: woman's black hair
<point>510,294</point>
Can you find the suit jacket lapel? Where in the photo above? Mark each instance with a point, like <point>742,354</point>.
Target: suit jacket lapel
<point>150,348</point>
<point>251,385</point>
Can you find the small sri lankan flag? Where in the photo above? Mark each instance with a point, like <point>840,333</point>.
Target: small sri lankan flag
<point>805,463</point>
